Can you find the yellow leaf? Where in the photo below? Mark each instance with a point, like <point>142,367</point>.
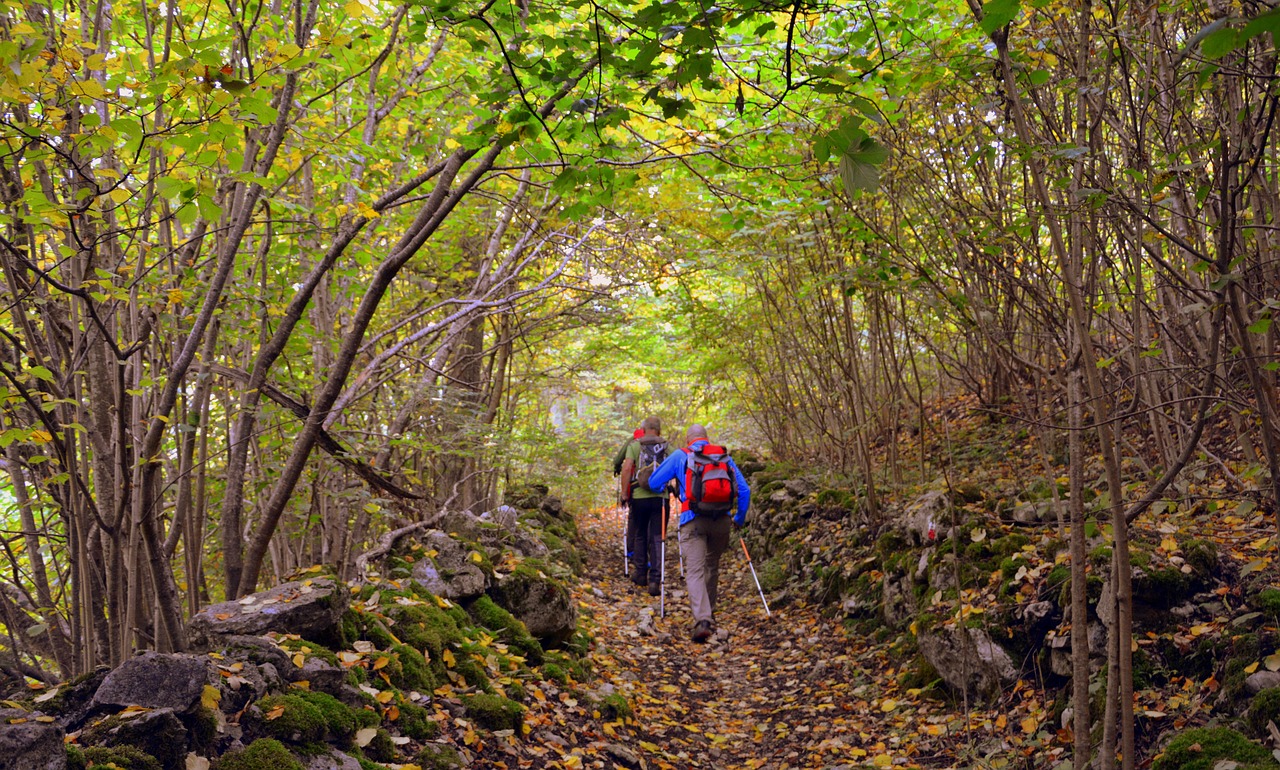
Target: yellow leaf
<point>1168,544</point>
<point>1029,725</point>
<point>882,760</point>
<point>476,557</point>
<point>448,658</point>
<point>367,211</point>
<point>1001,721</point>
<point>299,659</point>
<point>44,719</point>
<point>647,746</point>
<point>381,662</point>
<point>365,736</point>
<point>888,704</point>
<point>1249,669</point>
<point>210,697</point>
<point>275,713</point>
<point>1272,662</point>
<point>354,8</point>
<point>385,696</point>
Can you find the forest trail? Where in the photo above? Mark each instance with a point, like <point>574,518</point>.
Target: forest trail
<point>792,691</point>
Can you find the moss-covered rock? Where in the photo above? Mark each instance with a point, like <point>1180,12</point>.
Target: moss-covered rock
<point>1268,600</point>
<point>539,601</point>
<point>262,754</point>
<point>436,756</point>
<point>1201,555</point>
<point>614,707</point>
<point>411,672</point>
<point>494,712</point>
<point>293,719</point>
<point>505,626</point>
<point>381,748</point>
<point>1203,748</point>
<point>1264,708</point>
<point>416,723</point>
<point>123,757</point>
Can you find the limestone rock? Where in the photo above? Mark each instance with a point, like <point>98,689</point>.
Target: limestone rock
<point>321,675</point>
<point>156,680</point>
<point>73,703</point>
<point>976,664</point>
<point>933,506</point>
<point>333,760</point>
<point>309,608</point>
<point>1033,513</point>
<point>542,604</point>
<point>159,733</point>
<point>898,602</point>
<point>450,573</point>
<point>30,745</point>
<point>1262,680</point>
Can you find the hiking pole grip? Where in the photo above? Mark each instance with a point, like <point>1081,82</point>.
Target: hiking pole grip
<point>755,577</point>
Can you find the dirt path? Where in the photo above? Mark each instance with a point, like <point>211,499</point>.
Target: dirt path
<point>791,691</point>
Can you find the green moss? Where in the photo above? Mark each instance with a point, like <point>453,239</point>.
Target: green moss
<point>262,754</point>
<point>75,757</point>
<point>1163,587</point>
<point>426,627</point>
<point>340,720</point>
<point>368,764</point>
<point>615,707</point>
<point>506,627</point>
<point>1203,748</point>
<point>516,692</point>
<point>919,675</point>
<point>412,672</point>
<point>366,718</point>
<point>202,728</point>
<point>1010,544</point>
<point>891,544</point>
<point>1060,574</point>
<point>310,649</point>
<point>416,723</point>
<point>299,721</point>
<point>1264,708</point>
<point>494,712</point>
<point>554,673</point>
<point>473,673</point>
<point>1100,557</point>
<point>438,757</point>
<point>1202,555</point>
<point>381,748</point>
<point>123,757</point>
<point>348,628</point>
<point>1268,601</point>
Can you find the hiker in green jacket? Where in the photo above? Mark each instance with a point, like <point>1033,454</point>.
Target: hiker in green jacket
<point>628,547</point>
<point>643,456</point>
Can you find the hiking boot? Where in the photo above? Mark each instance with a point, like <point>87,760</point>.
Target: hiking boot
<point>701,631</point>
<point>655,588</point>
<point>639,579</point>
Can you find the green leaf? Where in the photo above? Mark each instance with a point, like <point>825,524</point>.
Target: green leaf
<point>1039,77</point>
<point>1267,22</point>
<point>998,13</point>
<point>1260,326</point>
<point>1219,43</point>
<point>860,167</point>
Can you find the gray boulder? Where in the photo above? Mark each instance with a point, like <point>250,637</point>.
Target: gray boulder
<point>541,603</point>
<point>309,608</point>
<point>933,506</point>
<point>1034,513</point>
<point>451,572</point>
<point>30,745</point>
<point>332,760</point>
<point>1262,680</point>
<point>321,675</point>
<point>156,680</point>
<point>977,664</point>
<point>897,600</point>
<point>159,733</point>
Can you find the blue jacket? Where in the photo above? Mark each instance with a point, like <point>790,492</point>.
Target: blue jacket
<point>673,468</point>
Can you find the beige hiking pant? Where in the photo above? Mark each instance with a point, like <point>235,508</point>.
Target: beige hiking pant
<point>703,541</point>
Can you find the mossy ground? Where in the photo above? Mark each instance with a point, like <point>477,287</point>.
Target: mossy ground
<point>1204,748</point>
<point>494,711</point>
<point>262,754</point>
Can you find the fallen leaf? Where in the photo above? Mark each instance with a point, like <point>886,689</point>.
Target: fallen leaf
<point>365,736</point>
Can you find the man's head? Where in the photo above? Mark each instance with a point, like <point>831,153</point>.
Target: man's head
<point>651,426</point>
<point>696,432</point>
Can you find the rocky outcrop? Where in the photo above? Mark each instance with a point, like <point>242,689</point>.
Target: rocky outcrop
<point>156,681</point>
<point>541,603</point>
<point>26,744</point>
<point>968,660</point>
<point>449,569</point>
<point>932,510</point>
<point>308,608</point>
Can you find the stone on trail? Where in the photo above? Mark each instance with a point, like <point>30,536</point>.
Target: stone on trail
<point>309,608</point>
<point>1262,680</point>
<point>333,760</point>
<point>156,680</point>
<point>541,603</point>
<point>976,664</point>
<point>451,573</point>
<point>159,733</point>
<point>30,745</point>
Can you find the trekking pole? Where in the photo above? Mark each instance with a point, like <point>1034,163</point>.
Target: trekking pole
<point>662,566</point>
<point>679,546</point>
<point>753,575</point>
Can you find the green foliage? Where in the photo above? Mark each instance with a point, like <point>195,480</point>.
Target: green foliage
<point>299,721</point>
<point>1264,708</point>
<point>381,748</point>
<point>416,722</point>
<point>1268,600</point>
<point>614,707</point>
<point>439,757</point>
<point>262,754</point>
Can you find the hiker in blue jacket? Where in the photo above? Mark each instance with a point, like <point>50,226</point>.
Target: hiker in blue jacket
<point>711,488</point>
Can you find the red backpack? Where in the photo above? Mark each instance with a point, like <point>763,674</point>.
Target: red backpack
<point>709,482</point>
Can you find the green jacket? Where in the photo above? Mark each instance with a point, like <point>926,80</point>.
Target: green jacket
<point>621,455</point>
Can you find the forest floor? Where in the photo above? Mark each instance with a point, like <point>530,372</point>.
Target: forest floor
<point>795,690</point>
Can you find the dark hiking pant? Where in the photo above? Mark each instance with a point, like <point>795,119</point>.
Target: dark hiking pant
<point>704,540</point>
<point>646,539</point>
